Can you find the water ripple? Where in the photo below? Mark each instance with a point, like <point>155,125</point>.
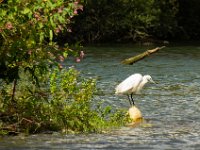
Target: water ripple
<point>170,108</point>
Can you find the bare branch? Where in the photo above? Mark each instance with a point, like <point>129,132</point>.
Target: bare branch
<point>131,60</point>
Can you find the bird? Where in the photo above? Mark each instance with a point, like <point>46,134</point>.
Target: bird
<point>132,85</point>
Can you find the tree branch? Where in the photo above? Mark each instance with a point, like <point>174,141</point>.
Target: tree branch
<point>131,60</point>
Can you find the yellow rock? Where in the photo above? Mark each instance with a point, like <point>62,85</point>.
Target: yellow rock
<point>135,114</point>
<point>136,118</point>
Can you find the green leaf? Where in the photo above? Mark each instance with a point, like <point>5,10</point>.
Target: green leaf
<point>41,37</point>
<point>3,13</point>
<point>65,54</point>
<point>61,19</point>
<point>51,35</point>
<point>52,22</point>
<point>26,11</point>
<point>107,110</point>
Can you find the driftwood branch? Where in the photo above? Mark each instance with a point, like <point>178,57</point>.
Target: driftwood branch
<point>131,60</point>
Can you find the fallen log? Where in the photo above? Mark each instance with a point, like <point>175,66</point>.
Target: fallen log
<point>131,60</point>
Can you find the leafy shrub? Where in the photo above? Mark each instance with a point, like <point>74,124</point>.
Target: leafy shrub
<point>64,101</point>
<point>36,94</point>
<point>27,30</point>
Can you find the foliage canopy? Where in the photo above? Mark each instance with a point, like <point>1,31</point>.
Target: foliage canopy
<point>125,20</point>
<point>36,92</point>
<point>137,21</point>
<point>27,29</point>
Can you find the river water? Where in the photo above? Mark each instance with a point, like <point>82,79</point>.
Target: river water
<point>171,107</point>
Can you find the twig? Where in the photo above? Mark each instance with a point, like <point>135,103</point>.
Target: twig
<point>14,89</point>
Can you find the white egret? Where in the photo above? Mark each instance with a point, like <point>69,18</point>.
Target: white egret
<point>132,85</point>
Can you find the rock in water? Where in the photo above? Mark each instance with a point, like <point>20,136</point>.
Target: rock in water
<point>135,114</point>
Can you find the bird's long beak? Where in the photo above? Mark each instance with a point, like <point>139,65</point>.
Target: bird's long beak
<point>153,81</point>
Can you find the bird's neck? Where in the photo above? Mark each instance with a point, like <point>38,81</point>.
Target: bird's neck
<point>143,82</point>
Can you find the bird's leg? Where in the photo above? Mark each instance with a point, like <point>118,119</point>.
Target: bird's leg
<point>129,100</point>
<point>132,99</point>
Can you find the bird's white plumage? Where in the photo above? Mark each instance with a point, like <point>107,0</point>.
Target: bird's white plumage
<point>133,84</point>
<point>129,85</point>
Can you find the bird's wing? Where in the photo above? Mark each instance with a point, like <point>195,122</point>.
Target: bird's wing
<point>129,85</point>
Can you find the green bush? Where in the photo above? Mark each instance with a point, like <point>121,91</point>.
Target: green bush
<point>27,31</point>
<point>36,94</point>
<point>63,102</point>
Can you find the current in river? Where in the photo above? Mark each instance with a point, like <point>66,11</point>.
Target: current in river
<point>171,107</point>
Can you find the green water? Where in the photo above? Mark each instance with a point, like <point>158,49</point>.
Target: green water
<point>171,107</point>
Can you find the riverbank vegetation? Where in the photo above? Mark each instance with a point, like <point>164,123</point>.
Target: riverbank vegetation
<point>63,101</point>
<point>38,92</point>
<point>134,21</point>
